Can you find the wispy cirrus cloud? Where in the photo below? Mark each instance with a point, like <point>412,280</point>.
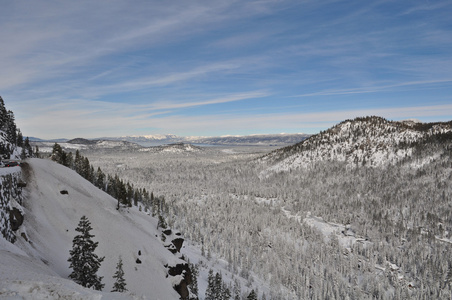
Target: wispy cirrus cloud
<point>217,63</point>
<point>376,89</point>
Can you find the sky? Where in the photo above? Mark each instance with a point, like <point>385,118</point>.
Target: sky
<point>209,68</point>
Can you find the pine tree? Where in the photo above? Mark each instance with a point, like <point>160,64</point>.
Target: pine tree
<point>100,179</point>
<point>20,139</point>
<point>120,283</point>
<point>237,290</point>
<point>225,292</point>
<point>58,154</point>
<point>210,291</point>
<point>28,147</point>
<point>193,286</point>
<point>218,286</point>
<point>252,295</point>
<point>11,129</point>
<point>3,115</point>
<point>161,223</point>
<point>83,261</point>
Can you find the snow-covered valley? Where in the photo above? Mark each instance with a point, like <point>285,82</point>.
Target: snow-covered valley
<point>375,229</point>
<point>371,221</point>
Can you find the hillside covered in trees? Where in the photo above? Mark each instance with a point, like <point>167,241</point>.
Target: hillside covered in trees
<point>365,214</point>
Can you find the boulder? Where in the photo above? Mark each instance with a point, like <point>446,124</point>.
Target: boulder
<point>15,218</point>
<point>178,242</point>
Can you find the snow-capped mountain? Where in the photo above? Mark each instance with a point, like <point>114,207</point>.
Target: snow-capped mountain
<point>36,266</point>
<point>281,139</point>
<point>148,140</point>
<point>369,141</point>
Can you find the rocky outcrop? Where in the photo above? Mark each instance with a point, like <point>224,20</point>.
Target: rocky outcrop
<point>15,218</point>
<point>184,271</point>
<point>176,241</point>
<point>10,197</point>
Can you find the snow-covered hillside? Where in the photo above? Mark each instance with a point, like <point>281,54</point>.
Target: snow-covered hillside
<point>84,144</point>
<point>172,148</point>
<point>36,266</point>
<point>370,141</point>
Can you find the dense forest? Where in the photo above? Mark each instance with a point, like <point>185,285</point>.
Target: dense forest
<point>330,229</point>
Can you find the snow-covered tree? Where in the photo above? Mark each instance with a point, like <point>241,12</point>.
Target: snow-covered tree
<point>83,261</point>
<point>120,283</point>
<point>210,291</point>
<point>193,286</point>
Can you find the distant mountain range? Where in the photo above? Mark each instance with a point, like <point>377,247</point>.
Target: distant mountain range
<point>282,139</point>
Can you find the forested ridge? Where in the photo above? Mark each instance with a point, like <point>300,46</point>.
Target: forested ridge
<point>336,228</point>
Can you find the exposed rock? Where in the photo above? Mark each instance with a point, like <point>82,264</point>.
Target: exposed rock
<point>64,192</point>
<point>138,261</point>
<point>24,235</point>
<point>171,248</point>
<point>182,287</point>
<point>21,184</point>
<point>15,218</point>
<point>178,243</point>
<point>167,232</point>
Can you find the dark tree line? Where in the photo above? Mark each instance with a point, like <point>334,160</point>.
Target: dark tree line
<point>124,192</point>
<point>11,137</point>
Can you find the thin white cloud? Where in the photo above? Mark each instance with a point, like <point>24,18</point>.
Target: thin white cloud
<point>374,89</point>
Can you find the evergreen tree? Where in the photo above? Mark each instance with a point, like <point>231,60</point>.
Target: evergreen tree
<point>37,152</point>
<point>252,295</point>
<point>83,261</point>
<point>20,139</point>
<point>58,155</point>
<point>237,290</point>
<point>193,286</point>
<point>120,283</point>
<point>78,162</point>
<point>28,147</point>
<point>23,154</point>
<point>11,129</point>
<point>225,292</point>
<point>218,286</point>
<point>210,291</point>
<point>3,115</point>
<point>161,223</point>
<point>100,179</point>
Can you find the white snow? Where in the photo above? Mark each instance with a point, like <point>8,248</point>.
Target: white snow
<point>38,269</point>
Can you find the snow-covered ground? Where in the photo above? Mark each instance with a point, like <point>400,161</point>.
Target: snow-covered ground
<point>38,268</point>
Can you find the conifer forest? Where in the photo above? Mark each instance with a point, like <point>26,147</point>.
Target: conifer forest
<point>373,223</point>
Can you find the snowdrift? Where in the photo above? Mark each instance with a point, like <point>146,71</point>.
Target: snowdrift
<point>36,267</point>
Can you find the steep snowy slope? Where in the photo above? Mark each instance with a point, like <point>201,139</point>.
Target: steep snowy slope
<point>370,141</point>
<point>50,221</point>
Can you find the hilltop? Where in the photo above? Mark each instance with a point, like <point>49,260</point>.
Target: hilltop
<point>369,141</point>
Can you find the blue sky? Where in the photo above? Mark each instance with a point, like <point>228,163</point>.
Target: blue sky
<point>206,68</point>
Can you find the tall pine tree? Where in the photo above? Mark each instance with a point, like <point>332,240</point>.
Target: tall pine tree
<point>120,283</point>
<point>84,262</point>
